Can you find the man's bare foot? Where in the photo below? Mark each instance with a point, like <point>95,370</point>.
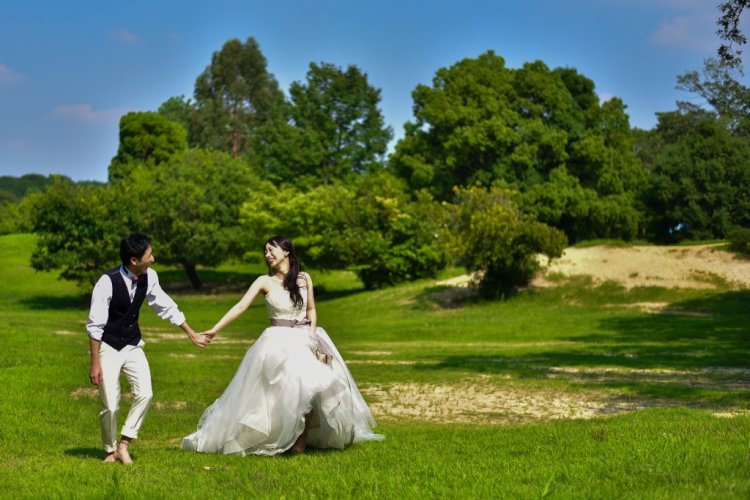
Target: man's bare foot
<point>110,458</point>
<point>122,455</point>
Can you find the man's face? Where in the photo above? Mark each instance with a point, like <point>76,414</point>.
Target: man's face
<point>139,266</point>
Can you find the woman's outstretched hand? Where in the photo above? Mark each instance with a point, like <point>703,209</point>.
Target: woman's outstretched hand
<point>209,334</point>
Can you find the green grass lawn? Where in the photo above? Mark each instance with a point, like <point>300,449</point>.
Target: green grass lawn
<point>573,391</point>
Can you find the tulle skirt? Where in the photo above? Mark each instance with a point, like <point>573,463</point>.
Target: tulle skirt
<point>287,373</point>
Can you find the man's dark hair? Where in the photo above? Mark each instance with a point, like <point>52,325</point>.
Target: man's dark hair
<point>133,245</point>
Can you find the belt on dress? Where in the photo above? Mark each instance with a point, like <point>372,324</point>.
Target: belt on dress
<point>292,323</point>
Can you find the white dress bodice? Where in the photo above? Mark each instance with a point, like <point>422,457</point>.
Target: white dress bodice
<point>279,304</point>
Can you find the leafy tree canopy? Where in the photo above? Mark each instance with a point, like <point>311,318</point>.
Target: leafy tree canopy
<point>233,96</point>
<point>483,123</point>
<point>190,206</point>
<point>729,30</point>
<point>699,185</point>
<point>13,189</point>
<point>336,129</point>
<point>371,227</point>
<point>79,228</point>
<point>146,139</point>
<point>718,88</point>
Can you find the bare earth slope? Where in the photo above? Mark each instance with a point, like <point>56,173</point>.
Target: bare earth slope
<point>696,266</point>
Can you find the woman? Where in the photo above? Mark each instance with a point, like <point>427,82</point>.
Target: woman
<point>292,389</point>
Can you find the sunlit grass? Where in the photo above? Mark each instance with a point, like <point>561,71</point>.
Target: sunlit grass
<point>663,375</point>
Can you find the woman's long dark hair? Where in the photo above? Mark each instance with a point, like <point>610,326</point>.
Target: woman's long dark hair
<point>290,281</point>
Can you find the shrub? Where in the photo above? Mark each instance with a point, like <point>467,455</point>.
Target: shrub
<point>739,240</point>
<point>493,238</point>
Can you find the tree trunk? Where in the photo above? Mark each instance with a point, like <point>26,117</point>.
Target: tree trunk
<point>192,275</point>
<point>236,135</point>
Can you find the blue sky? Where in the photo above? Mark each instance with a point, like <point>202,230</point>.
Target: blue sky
<point>70,69</point>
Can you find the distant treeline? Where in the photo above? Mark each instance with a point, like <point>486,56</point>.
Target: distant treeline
<point>12,189</point>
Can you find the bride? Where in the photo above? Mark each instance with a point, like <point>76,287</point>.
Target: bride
<point>292,389</point>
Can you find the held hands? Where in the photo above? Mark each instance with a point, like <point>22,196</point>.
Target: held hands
<point>210,334</point>
<point>200,340</point>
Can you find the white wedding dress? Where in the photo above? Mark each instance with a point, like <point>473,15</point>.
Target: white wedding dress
<point>280,379</point>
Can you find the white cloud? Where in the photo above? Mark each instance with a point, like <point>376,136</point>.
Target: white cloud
<point>87,114</point>
<point>691,33</point>
<point>8,76</point>
<point>125,36</point>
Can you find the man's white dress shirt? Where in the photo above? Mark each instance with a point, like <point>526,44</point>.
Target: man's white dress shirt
<point>157,299</point>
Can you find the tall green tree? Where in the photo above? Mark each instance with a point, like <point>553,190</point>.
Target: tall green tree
<point>145,139</point>
<point>234,95</point>
<point>483,123</point>
<point>697,157</point>
<point>190,206</point>
<point>700,177</point>
<point>340,110</point>
<point>336,129</point>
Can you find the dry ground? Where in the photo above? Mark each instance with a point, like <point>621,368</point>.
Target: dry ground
<point>699,266</point>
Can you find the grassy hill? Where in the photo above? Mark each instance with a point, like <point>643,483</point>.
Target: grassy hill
<point>571,391</point>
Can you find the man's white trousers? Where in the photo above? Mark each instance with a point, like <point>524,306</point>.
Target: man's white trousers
<point>131,360</point>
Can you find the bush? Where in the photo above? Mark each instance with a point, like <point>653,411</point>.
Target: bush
<point>493,238</point>
<point>739,240</point>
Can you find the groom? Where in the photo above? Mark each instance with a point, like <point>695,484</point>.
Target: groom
<point>116,344</point>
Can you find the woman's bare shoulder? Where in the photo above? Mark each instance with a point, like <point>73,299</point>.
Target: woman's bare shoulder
<point>262,282</point>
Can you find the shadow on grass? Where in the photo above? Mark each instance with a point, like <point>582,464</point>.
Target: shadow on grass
<point>323,294</point>
<point>219,282</point>
<point>48,302</point>
<point>700,347</point>
<point>445,297</point>
<point>214,281</point>
<point>85,453</point>
<point>708,332</point>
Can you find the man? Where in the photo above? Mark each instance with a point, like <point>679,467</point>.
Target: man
<point>116,344</point>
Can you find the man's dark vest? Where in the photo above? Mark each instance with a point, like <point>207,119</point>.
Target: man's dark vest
<point>122,323</point>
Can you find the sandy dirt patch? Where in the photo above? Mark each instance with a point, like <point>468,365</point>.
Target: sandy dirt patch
<point>698,266</point>
<point>485,403</point>
<point>491,404</point>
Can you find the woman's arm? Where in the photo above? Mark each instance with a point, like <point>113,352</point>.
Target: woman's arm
<point>259,285</point>
<point>312,314</point>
